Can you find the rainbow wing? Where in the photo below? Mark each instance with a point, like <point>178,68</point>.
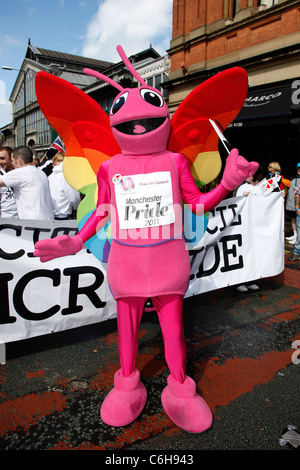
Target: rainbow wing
<point>219,98</point>
<point>84,128</point>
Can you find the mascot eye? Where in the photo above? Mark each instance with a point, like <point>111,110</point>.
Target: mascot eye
<point>152,97</point>
<point>118,103</point>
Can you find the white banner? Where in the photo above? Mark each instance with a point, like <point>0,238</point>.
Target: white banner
<point>40,298</point>
<point>244,241</point>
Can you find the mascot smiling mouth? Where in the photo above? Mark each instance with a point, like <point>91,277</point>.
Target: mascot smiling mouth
<point>140,126</point>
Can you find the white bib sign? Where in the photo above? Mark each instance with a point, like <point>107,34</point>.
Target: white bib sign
<point>144,200</point>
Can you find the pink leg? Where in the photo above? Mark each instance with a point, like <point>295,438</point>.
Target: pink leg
<point>169,310</point>
<point>129,314</point>
<point>179,398</point>
<point>126,400</point>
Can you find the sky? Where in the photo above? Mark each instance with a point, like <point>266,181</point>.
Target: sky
<point>90,28</point>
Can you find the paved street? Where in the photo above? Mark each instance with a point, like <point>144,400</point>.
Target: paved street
<point>240,352</point>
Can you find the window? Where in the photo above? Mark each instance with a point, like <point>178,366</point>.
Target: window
<point>157,82</point>
<point>149,81</point>
<point>38,125</point>
<point>106,102</point>
<point>234,8</point>
<point>267,3</point>
<point>30,91</point>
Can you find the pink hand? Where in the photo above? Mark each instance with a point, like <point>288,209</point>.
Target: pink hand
<point>58,246</point>
<point>237,169</point>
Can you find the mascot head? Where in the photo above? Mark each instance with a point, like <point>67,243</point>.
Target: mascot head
<point>139,117</point>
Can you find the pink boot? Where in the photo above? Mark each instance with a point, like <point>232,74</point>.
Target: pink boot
<point>185,407</point>
<point>125,401</point>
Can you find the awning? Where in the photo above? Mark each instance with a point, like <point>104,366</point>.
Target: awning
<point>270,105</point>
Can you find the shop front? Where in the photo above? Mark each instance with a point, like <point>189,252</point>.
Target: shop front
<point>267,127</point>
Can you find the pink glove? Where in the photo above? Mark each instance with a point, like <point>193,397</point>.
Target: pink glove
<point>237,169</point>
<point>58,246</point>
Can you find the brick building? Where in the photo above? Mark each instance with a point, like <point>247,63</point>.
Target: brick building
<point>262,36</point>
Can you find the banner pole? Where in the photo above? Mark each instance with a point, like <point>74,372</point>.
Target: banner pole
<point>2,353</point>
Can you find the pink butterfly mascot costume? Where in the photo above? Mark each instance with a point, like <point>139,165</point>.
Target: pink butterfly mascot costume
<point>147,260</point>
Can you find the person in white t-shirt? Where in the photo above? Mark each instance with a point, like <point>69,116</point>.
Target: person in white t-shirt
<point>8,207</point>
<point>64,198</point>
<point>30,186</point>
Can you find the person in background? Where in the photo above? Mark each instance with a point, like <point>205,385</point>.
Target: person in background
<point>296,251</point>
<point>30,186</point>
<point>45,164</point>
<point>64,198</point>
<point>274,169</point>
<point>8,207</point>
<point>290,205</point>
<point>249,186</point>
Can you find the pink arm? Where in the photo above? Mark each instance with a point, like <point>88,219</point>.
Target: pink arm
<point>236,170</point>
<point>199,202</point>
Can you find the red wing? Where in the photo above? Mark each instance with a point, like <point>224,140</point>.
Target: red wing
<point>219,98</point>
